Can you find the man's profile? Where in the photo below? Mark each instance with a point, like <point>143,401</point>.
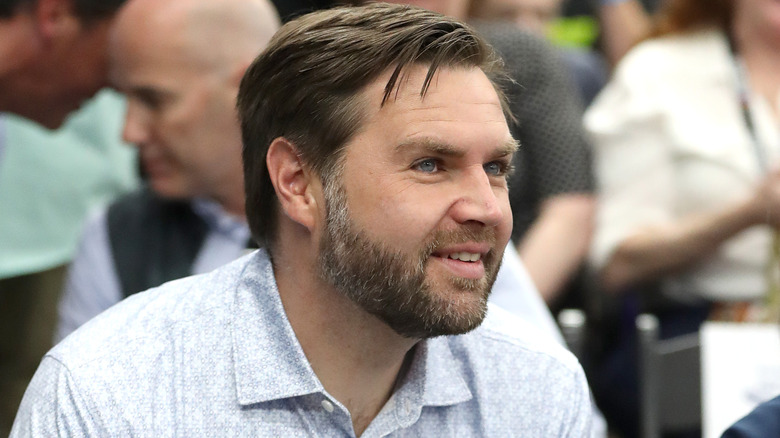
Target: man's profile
<point>52,55</point>
<point>376,150</point>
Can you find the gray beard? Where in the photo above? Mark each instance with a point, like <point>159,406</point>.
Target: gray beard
<point>393,286</point>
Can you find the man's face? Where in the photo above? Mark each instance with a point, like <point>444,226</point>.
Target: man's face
<point>70,70</point>
<point>418,219</point>
<point>180,115</point>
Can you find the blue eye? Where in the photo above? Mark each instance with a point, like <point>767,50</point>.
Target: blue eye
<point>427,165</point>
<point>494,168</point>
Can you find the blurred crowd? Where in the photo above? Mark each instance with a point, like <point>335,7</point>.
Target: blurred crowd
<point>647,178</point>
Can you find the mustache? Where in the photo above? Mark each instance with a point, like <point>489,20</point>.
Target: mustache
<point>463,234</point>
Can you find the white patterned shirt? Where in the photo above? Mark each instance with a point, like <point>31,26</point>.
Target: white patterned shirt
<point>214,355</point>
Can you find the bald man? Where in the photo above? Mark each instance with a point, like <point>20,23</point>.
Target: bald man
<point>179,63</point>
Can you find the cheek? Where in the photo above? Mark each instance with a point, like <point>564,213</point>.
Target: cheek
<point>399,213</point>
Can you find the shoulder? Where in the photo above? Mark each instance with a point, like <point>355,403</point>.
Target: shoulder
<point>676,56</point>
<point>519,343</point>
<point>148,323</point>
<point>764,421</point>
<point>510,366</point>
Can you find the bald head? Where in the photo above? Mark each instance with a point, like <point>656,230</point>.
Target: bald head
<point>179,62</point>
<point>209,33</point>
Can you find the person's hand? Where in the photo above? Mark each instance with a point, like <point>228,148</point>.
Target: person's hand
<point>766,200</point>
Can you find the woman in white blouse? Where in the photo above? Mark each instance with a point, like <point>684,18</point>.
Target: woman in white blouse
<point>687,157</point>
<point>687,139</point>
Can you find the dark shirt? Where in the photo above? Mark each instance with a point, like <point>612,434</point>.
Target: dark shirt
<point>763,422</point>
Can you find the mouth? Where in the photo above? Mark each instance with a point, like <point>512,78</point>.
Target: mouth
<point>465,256</point>
<point>465,261</point>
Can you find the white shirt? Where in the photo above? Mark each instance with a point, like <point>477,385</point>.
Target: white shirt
<point>670,141</point>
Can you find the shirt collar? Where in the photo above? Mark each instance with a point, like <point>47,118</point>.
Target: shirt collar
<point>435,378</point>
<point>270,364</point>
<point>219,220</point>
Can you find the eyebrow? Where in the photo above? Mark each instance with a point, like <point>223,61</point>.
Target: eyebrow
<point>440,148</point>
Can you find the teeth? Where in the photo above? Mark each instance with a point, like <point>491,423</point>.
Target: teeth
<point>465,256</point>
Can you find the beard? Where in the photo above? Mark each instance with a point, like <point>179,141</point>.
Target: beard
<point>393,286</point>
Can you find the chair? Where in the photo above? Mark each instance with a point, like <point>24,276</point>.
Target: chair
<point>669,380</point>
<point>572,325</point>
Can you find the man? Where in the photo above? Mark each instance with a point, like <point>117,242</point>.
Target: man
<point>180,64</point>
<point>52,55</point>
<point>168,230</point>
<point>164,233</point>
<point>376,155</point>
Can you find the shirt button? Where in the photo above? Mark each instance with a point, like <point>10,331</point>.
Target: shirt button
<point>328,406</point>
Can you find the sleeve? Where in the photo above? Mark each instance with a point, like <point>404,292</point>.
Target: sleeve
<point>91,284</point>
<point>53,407</point>
<point>632,154</point>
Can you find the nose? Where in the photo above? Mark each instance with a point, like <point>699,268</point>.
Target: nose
<point>479,200</point>
<point>136,129</point>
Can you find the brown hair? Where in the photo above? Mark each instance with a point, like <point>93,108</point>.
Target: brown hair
<point>306,85</point>
<point>681,16</point>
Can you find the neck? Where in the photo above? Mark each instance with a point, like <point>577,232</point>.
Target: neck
<point>357,357</point>
<point>230,195</point>
<point>235,207</point>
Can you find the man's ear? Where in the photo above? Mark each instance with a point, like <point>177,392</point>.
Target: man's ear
<point>56,18</point>
<point>294,183</point>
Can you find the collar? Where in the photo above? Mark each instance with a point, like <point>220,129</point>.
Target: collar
<point>436,377</point>
<point>270,364</point>
<point>219,220</point>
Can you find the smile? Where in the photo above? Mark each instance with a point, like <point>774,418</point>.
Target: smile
<point>465,256</point>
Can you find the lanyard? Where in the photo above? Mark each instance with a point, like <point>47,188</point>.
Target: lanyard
<point>743,88</point>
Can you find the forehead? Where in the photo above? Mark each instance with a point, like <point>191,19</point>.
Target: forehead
<point>460,106</point>
<point>143,50</point>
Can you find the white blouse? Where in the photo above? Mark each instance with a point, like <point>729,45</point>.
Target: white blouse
<point>670,140</point>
